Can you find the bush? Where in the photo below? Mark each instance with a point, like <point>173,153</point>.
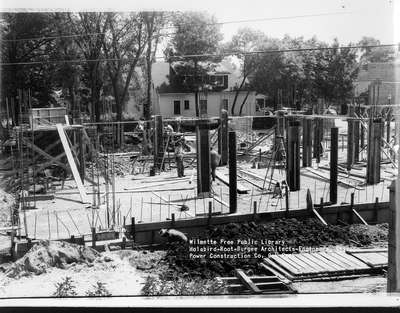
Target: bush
<point>65,288</point>
<point>182,287</point>
<point>99,290</point>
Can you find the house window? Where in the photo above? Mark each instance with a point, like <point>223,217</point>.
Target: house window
<point>177,107</point>
<point>203,106</point>
<point>186,104</point>
<point>260,104</point>
<point>224,104</point>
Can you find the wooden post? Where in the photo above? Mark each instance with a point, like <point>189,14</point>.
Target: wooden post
<point>93,237</point>
<point>393,276</point>
<point>307,143</point>
<point>293,156</point>
<point>158,142</point>
<point>315,139</point>
<point>254,210</point>
<point>81,156</point>
<point>333,182</point>
<point>351,208</point>
<point>350,144</point>
<point>209,212</point>
<point>232,173</point>
<point>173,219</point>
<point>388,120</point>
<point>203,159</point>
<point>374,152</point>
<point>133,229</point>
<point>287,200</point>
<point>223,137</point>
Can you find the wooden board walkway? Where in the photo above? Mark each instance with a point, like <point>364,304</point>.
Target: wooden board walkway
<point>377,258</point>
<point>269,284</point>
<point>325,265</point>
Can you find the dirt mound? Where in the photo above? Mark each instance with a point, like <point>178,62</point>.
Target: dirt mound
<point>7,203</point>
<point>294,233</point>
<point>48,254</point>
<point>368,234</point>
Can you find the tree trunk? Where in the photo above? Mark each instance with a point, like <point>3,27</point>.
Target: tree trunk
<point>236,95</point>
<point>243,103</point>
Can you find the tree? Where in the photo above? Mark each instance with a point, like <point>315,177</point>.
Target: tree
<point>378,54</point>
<point>153,21</point>
<point>24,43</point>
<point>92,25</point>
<point>196,34</point>
<point>245,41</point>
<point>123,46</point>
<point>67,74</point>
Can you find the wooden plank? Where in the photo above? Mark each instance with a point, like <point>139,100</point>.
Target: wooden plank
<point>327,178</point>
<point>302,267</point>
<point>240,188</point>
<point>255,279</point>
<point>287,266</point>
<point>307,265</point>
<point>216,198</point>
<point>247,281</point>
<point>321,266</point>
<point>277,270</point>
<point>372,259</point>
<point>253,175</point>
<point>359,216</point>
<point>278,275</point>
<point>351,258</point>
<point>352,261</point>
<point>352,251</point>
<point>334,260</point>
<point>286,260</point>
<point>39,198</point>
<point>319,217</point>
<point>328,263</point>
<point>40,151</point>
<point>72,164</point>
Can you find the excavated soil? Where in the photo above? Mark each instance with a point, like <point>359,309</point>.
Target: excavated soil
<point>295,233</point>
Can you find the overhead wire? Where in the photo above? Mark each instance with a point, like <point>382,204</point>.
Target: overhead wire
<point>222,54</point>
<point>181,24</point>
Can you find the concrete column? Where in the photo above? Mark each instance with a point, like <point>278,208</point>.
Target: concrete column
<point>158,141</point>
<point>350,144</point>
<point>293,156</point>
<point>203,158</point>
<point>334,165</point>
<point>318,137</point>
<point>279,135</point>
<point>232,173</point>
<point>374,151</point>
<point>223,137</point>
<point>393,277</point>
<point>307,142</point>
<point>356,156</point>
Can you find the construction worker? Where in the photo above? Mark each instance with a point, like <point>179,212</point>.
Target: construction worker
<point>214,160</point>
<point>179,158</point>
<point>277,191</point>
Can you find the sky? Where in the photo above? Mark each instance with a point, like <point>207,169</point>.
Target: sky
<point>347,20</point>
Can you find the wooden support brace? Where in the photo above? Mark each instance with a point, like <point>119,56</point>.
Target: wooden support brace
<point>247,281</point>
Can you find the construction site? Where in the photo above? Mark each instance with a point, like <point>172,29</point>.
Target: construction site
<point>289,194</point>
<point>74,184</point>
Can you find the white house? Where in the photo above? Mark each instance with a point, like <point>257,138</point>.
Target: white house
<point>225,76</point>
<point>183,104</point>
